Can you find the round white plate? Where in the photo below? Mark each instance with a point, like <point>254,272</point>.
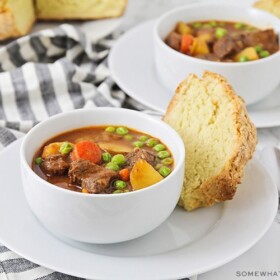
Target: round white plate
<point>95,29</point>
<point>188,243</point>
<point>131,63</point>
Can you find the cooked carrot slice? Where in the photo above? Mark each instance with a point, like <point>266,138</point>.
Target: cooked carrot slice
<point>186,43</point>
<point>124,174</point>
<point>87,150</point>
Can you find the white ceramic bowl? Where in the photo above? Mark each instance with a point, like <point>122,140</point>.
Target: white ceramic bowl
<point>252,80</point>
<point>101,218</point>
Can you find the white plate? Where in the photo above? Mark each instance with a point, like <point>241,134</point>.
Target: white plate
<point>94,29</point>
<point>188,243</point>
<point>131,63</point>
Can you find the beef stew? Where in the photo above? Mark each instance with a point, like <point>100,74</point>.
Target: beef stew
<point>223,41</point>
<point>103,160</point>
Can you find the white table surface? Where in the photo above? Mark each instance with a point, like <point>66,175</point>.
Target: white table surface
<point>264,257</point>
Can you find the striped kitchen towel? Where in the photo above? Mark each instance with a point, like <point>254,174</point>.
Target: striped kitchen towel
<point>41,75</point>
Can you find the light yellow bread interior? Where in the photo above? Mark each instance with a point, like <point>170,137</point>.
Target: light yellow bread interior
<point>79,9</point>
<point>271,6</point>
<point>16,17</point>
<point>218,135</point>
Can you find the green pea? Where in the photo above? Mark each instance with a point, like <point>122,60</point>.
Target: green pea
<point>243,58</point>
<point>118,191</point>
<point>138,144</point>
<point>158,166</point>
<point>197,24</point>
<point>239,25</point>
<point>213,23</point>
<point>206,25</point>
<point>264,53</point>
<point>258,48</point>
<point>110,129</point>
<point>119,184</point>
<point>159,147</point>
<point>128,137</point>
<point>106,157</point>
<point>151,142</point>
<point>220,32</point>
<point>164,171</point>
<point>163,154</point>
<point>38,160</point>
<point>113,166</point>
<point>167,161</point>
<point>65,148</point>
<point>122,130</point>
<point>119,159</point>
<point>143,138</point>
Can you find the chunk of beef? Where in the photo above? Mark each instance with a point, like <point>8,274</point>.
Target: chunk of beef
<point>132,157</point>
<point>92,177</point>
<point>265,38</point>
<point>227,45</point>
<point>56,164</point>
<point>173,40</point>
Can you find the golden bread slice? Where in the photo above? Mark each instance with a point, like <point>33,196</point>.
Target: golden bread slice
<point>79,9</point>
<point>16,18</point>
<point>271,6</point>
<point>218,135</point>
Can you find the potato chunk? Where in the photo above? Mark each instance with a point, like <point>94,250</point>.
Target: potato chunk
<point>51,149</point>
<point>143,175</point>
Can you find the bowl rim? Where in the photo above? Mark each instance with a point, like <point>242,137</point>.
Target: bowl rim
<point>43,183</point>
<point>189,58</point>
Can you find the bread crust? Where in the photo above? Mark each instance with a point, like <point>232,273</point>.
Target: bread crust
<point>223,186</point>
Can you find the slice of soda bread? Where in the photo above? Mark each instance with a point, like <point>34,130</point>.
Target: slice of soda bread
<point>16,18</point>
<point>218,135</point>
<point>79,9</point>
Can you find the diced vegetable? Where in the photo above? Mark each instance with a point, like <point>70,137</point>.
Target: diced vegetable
<point>143,138</point>
<point>110,129</point>
<point>124,174</point>
<point>113,166</point>
<point>143,175</point>
<point>264,54</point>
<point>121,130</point>
<point>213,23</point>
<point>220,32</point>
<point>164,171</point>
<point>119,159</point>
<point>250,53</point>
<point>182,28</point>
<point>128,137</point>
<point>258,48</point>
<point>51,149</point>
<point>118,191</point>
<point>84,190</point>
<point>106,157</point>
<point>186,43</point>
<point>159,147</point>
<point>243,58</point>
<point>120,185</point>
<point>167,161</point>
<point>199,46</point>
<point>239,25</point>
<point>163,154</point>
<point>197,24</point>
<point>38,160</point>
<point>115,148</point>
<point>151,142</point>
<point>138,144</point>
<point>66,148</point>
<point>87,150</point>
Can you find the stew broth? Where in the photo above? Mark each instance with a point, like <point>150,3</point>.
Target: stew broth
<point>102,159</point>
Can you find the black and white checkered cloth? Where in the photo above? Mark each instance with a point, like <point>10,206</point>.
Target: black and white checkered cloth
<point>41,75</point>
